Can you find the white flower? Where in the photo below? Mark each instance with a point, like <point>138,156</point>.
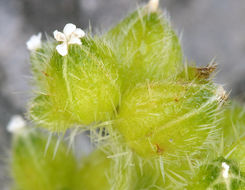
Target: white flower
<point>71,35</point>
<point>225,171</point>
<point>16,124</point>
<point>153,5</point>
<point>34,42</point>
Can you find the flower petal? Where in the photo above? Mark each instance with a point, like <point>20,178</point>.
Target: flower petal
<point>16,124</point>
<point>34,42</point>
<point>74,40</point>
<point>39,35</point>
<point>69,29</point>
<point>153,5</point>
<point>62,49</point>
<point>79,33</point>
<point>59,36</point>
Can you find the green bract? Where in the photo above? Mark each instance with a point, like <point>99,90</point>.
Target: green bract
<point>214,176</point>
<point>168,118</point>
<point>33,168</point>
<point>237,153</point>
<point>79,89</point>
<point>156,123</point>
<point>93,174</point>
<point>146,47</point>
<point>233,123</point>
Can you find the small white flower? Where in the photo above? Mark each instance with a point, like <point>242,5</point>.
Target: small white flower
<point>153,5</point>
<point>16,124</point>
<point>71,35</point>
<point>225,171</point>
<point>34,42</point>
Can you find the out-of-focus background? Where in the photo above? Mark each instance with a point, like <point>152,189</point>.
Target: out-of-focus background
<point>209,28</point>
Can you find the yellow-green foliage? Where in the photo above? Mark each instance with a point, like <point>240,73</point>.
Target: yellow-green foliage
<point>139,174</point>
<point>211,176</point>
<point>233,125</point>
<point>80,88</point>
<point>130,171</point>
<point>158,124</point>
<point>210,173</point>
<point>233,122</point>
<point>146,47</point>
<point>155,174</point>
<point>168,118</point>
<point>147,175</point>
<point>33,169</point>
<point>237,152</point>
<point>93,174</point>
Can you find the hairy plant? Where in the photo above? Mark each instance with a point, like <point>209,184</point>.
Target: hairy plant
<point>156,122</point>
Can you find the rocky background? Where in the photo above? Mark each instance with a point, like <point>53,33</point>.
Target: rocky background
<point>209,29</point>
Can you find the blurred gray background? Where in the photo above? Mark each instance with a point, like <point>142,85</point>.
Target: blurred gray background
<point>209,28</point>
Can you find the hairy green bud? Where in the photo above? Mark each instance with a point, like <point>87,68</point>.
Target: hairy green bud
<point>168,118</point>
<point>147,48</point>
<point>79,89</point>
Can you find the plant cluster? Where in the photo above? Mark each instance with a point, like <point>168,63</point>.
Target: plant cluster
<point>156,121</point>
